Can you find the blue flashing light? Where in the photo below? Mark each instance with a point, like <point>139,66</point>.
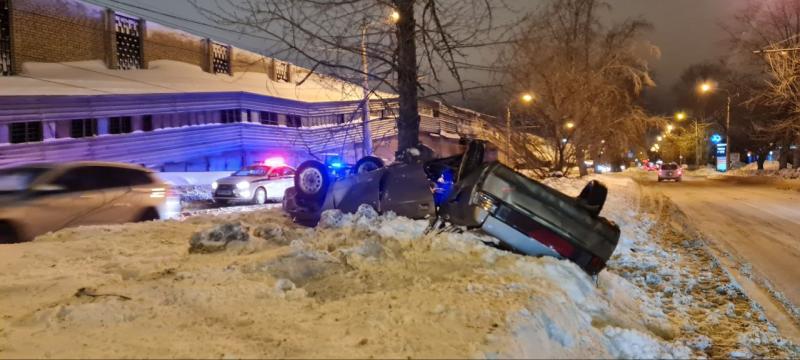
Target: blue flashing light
<point>336,165</point>
<point>716,138</point>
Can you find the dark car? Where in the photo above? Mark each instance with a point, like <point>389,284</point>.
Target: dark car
<point>526,216</point>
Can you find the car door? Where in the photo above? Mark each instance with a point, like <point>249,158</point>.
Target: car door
<point>77,196</point>
<point>279,179</point>
<point>125,195</point>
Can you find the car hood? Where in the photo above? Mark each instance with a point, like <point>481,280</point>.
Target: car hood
<point>233,180</point>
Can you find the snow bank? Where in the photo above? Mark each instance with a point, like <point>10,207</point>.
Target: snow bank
<point>359,285</point>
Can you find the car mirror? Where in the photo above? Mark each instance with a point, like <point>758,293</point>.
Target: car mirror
<point>48,188</point>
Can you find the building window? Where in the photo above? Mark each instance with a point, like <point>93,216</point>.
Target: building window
<point>23,132</point>
<point>5,38</point>
<point>436,113</point>
<point>120,125</point>
<point>221,55</point>
<point>231,116</point>
<point>294,121</point>
<point>281,71</point>
<point>83,128</point>
<point>269,118</point>
<point>147,123</point>
<point>129,42</point>
<point>340,119</point>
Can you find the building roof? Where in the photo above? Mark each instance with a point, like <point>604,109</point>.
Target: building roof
<point>167,77</point>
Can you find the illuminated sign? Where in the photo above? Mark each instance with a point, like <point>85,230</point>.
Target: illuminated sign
<point>716,138</point>
<point>722,161</point>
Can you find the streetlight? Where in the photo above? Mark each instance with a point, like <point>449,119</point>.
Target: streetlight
<point>366,145</point>
<point>659,138</point>
<point>680,116</point>
<point>569,125</point>
<point>708,87</point>
<point>670,127</point>
<point>525,98</point>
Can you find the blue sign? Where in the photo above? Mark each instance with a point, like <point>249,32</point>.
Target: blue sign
<point>716,138</point>
<point>722,161</point>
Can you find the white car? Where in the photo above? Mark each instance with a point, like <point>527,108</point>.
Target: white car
<point>36,199</point>
<point>254,184</point>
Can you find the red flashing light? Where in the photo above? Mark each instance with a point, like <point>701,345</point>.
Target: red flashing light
<point>275,162</point>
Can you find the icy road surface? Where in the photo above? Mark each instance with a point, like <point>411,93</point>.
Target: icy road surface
<point>750,221</point>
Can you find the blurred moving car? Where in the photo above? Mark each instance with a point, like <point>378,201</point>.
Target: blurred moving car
<point>255,184</point>
<point>36,199</point>
<point>671,171</point>
<point>526,216</point>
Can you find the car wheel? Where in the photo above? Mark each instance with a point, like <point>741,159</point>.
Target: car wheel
<point>311,179</point>
<point>7,234</point>
<point>366,164</point>
<point>260,197</point>
<point>149,215</point>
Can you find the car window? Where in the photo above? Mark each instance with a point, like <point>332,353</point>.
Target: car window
<point>252,171</point>
<point>114,177</point>
<point>19,179</point>
<point>670,167</point>
<point>79,179</point>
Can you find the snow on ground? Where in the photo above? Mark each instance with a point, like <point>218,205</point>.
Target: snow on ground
<point>361,285</point>
<point>770,169</point>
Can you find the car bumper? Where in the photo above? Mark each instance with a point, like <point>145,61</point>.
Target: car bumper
<point>515,239</point>
<point>235,195</point>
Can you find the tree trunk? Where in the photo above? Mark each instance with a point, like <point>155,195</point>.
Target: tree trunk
<point>580,158</point>
<point>408,121</point>
<point>796,156</point>
<point>761,158</point>
<point>783,157</point>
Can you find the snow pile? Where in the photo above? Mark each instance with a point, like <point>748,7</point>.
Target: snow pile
<point>359,285</point>
<point>770,169</point>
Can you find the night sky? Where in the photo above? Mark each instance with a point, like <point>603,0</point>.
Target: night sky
<point>686,31</point>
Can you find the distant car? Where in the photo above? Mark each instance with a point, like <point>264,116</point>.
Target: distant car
<point>524,215</point>
<point>671,171</point>
<point>36,199</point>
<point>254,184</point>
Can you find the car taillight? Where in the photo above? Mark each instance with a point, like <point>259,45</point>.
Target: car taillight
<point>557,243</point>
<point>484,201</point>
<point>163,192</point>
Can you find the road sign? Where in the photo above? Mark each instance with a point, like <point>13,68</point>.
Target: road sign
<point>722,160</point>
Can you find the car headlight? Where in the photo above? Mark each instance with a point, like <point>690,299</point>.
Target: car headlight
<point>243,185</point>
<point>484,201</point>
<point>214,185</point>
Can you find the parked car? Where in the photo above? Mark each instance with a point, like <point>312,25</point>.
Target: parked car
<point>526,216</point>
<point>671,171</point>
<point>36,199</point>
<point>254,184</point>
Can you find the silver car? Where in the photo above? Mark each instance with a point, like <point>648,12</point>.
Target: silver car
<point>36,199</point>
<point>254,184</point>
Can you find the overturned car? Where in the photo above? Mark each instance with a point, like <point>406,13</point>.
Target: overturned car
<point>526,216</point>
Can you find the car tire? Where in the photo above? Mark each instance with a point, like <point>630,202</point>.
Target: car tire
<point>149,214</point>
<point>260,197</point>
<point>593,196</point>
<point>366,164</point>
<point>311,180</point>
<point>8,235</point>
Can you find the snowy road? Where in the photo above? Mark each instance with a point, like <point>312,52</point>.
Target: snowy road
<point>753,221</point>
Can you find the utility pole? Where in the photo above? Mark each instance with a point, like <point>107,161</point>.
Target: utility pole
<point>508,135</point>
<point>366,144</point>
<point>728,135</point>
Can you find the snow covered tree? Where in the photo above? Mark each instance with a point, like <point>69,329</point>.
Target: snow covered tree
<point>415,48</point>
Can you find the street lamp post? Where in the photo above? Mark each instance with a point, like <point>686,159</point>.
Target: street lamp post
<point>707,87</point>
<point>526,98</point>
<point>682,116</point>
<point>366,145</point>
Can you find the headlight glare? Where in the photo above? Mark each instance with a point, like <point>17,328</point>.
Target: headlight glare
<point>214,185</point>
<point>243,185</point>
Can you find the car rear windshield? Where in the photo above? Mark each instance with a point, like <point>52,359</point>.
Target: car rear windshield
<point>669,167</point>
<point>19,179</point>
<point>252,171</point>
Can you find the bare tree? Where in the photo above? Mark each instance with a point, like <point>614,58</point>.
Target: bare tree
<point>586,77</point>
<point>771,30</point>
<point>415,48</point>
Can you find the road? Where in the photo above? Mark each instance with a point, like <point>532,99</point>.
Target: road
<point>753,220</point>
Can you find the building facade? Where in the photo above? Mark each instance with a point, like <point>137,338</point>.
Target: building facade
<point>81,82</point>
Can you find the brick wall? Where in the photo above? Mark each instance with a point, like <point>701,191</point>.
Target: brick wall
<point>56,31</point>
<point>163,43</point>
